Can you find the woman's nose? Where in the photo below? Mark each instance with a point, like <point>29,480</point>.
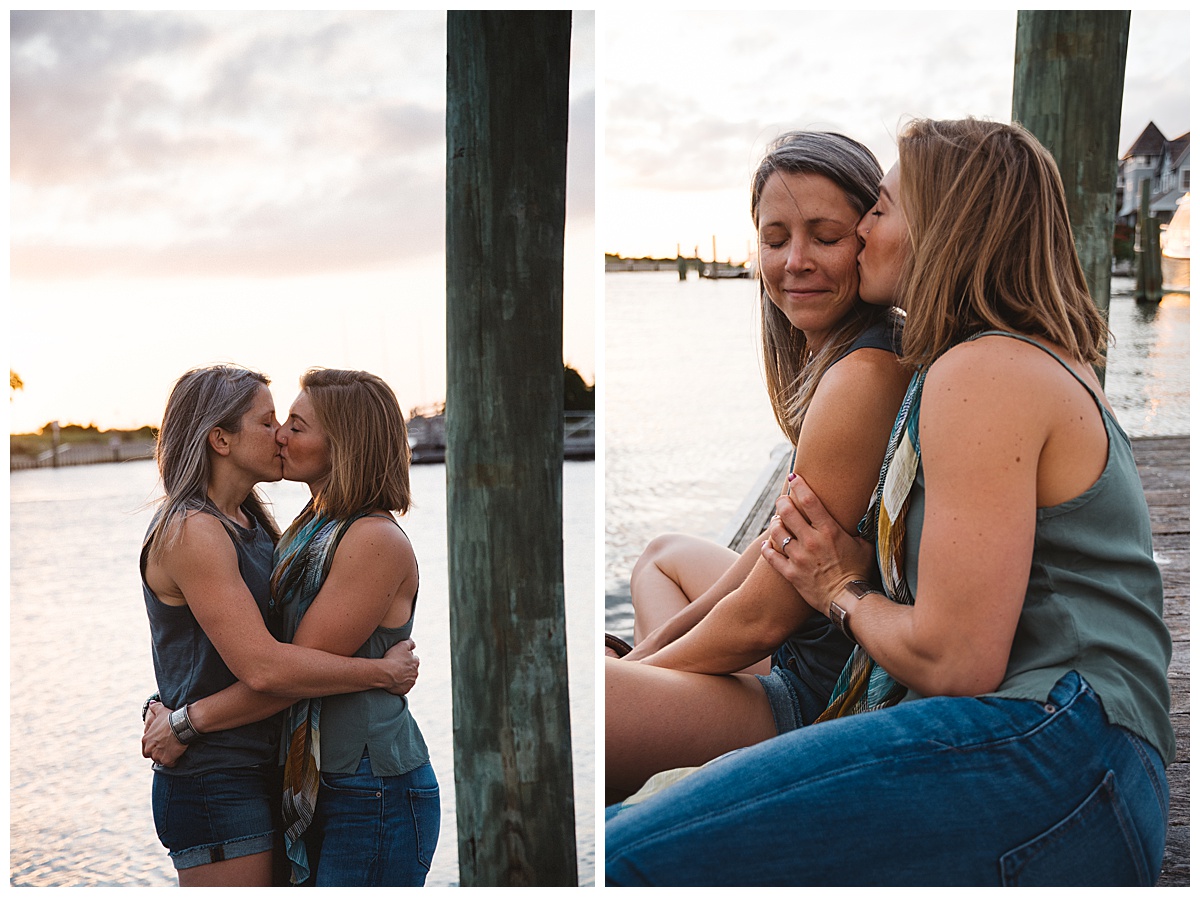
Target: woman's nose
<point>798,258</point>
<point>864,225</point>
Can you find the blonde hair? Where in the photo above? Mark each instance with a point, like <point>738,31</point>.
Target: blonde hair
<point>200,401</point>
<point>992,246</point>
<point>368,443</point>
<point>791,374</point>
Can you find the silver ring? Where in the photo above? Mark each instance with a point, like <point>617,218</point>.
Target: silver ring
<point>784,543</point>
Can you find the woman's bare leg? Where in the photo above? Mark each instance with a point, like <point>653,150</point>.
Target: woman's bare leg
<point>248,871</point>
<point>657,719</point>
<point>673,571</point>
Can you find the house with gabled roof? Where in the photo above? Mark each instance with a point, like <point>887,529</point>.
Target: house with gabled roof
<point>1167,164</point>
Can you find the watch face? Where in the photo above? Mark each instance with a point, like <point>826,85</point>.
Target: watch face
<point>837,614</point>
<point>858,588</point>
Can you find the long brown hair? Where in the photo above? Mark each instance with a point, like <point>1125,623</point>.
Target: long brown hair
<point>200,400</point>
<point>992,246</point>
<point>792,376</point>
<point>368,442</point>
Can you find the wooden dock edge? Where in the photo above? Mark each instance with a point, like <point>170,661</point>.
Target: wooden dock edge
<point>1163,463</point>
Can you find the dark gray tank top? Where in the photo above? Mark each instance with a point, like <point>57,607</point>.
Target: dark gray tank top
<point>817,651</point>
<point>187,666</point>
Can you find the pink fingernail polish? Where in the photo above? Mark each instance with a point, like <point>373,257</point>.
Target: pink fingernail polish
<point>791,476</point>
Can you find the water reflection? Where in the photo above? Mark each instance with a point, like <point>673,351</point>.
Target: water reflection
<point>80,659</point>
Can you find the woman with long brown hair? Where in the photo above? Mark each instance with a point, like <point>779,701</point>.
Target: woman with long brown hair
<point>835,385</point>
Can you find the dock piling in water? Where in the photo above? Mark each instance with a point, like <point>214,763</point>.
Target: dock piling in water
<point>1149,252</point>
<point>506,146</point>
<point>1068,84</point>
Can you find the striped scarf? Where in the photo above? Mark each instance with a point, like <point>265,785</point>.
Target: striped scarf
<point>302,561</point>
<point>864,685</point>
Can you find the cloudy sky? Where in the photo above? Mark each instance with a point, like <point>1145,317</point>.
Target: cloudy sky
<point>690,100</point>
<point>265,188</point>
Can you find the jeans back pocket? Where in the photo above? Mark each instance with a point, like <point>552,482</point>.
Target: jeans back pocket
<point>1096,844</point>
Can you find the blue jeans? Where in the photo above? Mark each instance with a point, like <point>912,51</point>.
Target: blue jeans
<point>939,791</point>
<point>369,831</point>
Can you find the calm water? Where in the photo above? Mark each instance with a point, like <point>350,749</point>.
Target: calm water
<point>688,428</point>
<point>80,669</point>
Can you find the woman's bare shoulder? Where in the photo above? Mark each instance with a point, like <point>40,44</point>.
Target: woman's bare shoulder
<point>1000,369</point>
<point>194,532</point>
<point>868,362</point>
<point>381,536</point>
<point>871,379</point>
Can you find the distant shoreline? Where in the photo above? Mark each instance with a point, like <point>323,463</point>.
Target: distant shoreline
<point>78,445</point>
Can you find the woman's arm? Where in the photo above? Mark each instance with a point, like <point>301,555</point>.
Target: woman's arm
<point>373,575</point>
<point>985,419</point>
<point>840,451</point>
<point>239,705</point>
<point>697,609</point>
<point>203,564</point>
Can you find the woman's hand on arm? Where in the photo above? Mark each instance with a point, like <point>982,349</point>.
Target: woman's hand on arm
<point>811,550</point>
<point>840,453</point>
<point>373,561</point>
<point>981,436</point>
<point>204,566</point>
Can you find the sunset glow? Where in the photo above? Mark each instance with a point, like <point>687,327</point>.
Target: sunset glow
<point>265,188</point>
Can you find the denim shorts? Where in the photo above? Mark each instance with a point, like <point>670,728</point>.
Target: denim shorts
<point>782,687</point>
<point>217,815</point>
<point>371,831</point>
<point>794,703</point>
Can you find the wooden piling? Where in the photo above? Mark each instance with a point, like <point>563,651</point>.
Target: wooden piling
<point>506,136</point>
<point>1148,268</point>
<point>1068,83</point>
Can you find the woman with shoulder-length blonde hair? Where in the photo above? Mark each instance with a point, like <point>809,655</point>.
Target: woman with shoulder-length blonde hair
<point>344,563</point>
<point>1004,718</point>
<point>361,803</point>
<point>206,566</point>
<point>678,697</point>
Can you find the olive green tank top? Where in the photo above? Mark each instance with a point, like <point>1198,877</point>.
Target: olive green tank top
<point>375,721</point>
<point>1095,598</point>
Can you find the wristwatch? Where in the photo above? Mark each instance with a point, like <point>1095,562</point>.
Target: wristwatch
<point>839,616</point>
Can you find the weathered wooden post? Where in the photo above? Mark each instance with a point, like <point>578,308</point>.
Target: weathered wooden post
<point>506,151</point>
<point>1148,268</point>
<point>1068,83</point>
<point>55,442</point>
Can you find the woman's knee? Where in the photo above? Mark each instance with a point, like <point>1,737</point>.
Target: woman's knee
<point>658,554</point>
